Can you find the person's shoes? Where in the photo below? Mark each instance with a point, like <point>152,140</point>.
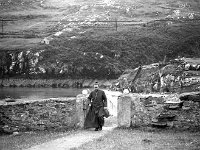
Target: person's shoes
<point>100,128</point>
<point>96,129</point>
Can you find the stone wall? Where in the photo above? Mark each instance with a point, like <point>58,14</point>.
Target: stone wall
<point>51,114</point>
<point>136,110</point>
<point>48,114</point>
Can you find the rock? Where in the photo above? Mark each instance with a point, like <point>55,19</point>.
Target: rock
<point>159,124</point>
<point>7,129</point>
<point>65,85</point>
<point>146,141</point>
<point>54,85</point>
<point>186,108</point>
<point>150,105</point>
<point>170,124</point>
<point>174,107</point>
<point>12,85</point>
<point>15,133</point>
<point>10,100</point>
<point>40,127</point>
<point>29,85</point>
<point>190,97</point>
<point>166,116</point>
<point>147,101</point>
<point>159,100</point>
<point>21,85</point>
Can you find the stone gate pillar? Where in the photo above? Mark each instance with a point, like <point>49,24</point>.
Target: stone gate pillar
<point>124,111</point>
<point>80,114</point>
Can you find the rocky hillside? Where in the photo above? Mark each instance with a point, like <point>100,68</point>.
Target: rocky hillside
<point>95,39</point>
<point>179,75</point>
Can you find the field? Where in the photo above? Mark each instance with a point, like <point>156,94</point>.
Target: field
<point>29,22</point>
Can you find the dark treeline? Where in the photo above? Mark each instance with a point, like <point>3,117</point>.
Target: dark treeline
<point>12,64</point>
<point>29,64</point>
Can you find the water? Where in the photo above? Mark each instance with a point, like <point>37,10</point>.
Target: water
<point>38,93</point>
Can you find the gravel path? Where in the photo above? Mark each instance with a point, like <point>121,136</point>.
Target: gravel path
<point>74,140</point>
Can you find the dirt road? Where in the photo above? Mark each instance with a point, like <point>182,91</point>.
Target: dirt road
<point>74,140</point>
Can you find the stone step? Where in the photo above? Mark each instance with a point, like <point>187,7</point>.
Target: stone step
<point>191,97</point>
<point>173,105</point>
<point>159,124</point>
<point>150,105</point>
<point>186,108</point>
<point>173,102</point>
<point>169,117</point>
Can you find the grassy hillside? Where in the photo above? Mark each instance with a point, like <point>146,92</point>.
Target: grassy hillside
<point>101,36</point>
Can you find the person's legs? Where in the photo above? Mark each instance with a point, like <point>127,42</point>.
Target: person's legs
<point>99,119</point>
<point>100,122</point>
<point>97,122</point>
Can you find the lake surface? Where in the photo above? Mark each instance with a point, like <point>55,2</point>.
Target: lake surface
<point>38,93</point>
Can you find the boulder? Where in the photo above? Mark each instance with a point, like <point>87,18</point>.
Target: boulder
<point>190,97</point>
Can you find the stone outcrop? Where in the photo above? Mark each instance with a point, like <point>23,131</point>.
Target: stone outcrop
<point>179,75</point>
<point>158,111</point>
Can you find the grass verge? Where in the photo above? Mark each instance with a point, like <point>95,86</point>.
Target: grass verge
<point>29,139</point>
<point>137,139</point>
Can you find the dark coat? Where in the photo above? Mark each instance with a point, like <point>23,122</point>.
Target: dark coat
<point>98,101</point>
<point>98,98</point>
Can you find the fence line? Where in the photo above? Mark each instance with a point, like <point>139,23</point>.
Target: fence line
<point>102,21</point>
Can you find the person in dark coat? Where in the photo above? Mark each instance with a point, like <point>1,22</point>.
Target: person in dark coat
<point>97,104</point>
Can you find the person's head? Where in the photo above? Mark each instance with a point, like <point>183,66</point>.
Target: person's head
<point>96,85</point>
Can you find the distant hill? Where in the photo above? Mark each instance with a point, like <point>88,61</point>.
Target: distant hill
<point>96,39</point>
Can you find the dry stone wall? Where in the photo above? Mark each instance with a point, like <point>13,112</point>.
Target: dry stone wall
<point>52,114</point>
<point>158,111</point>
